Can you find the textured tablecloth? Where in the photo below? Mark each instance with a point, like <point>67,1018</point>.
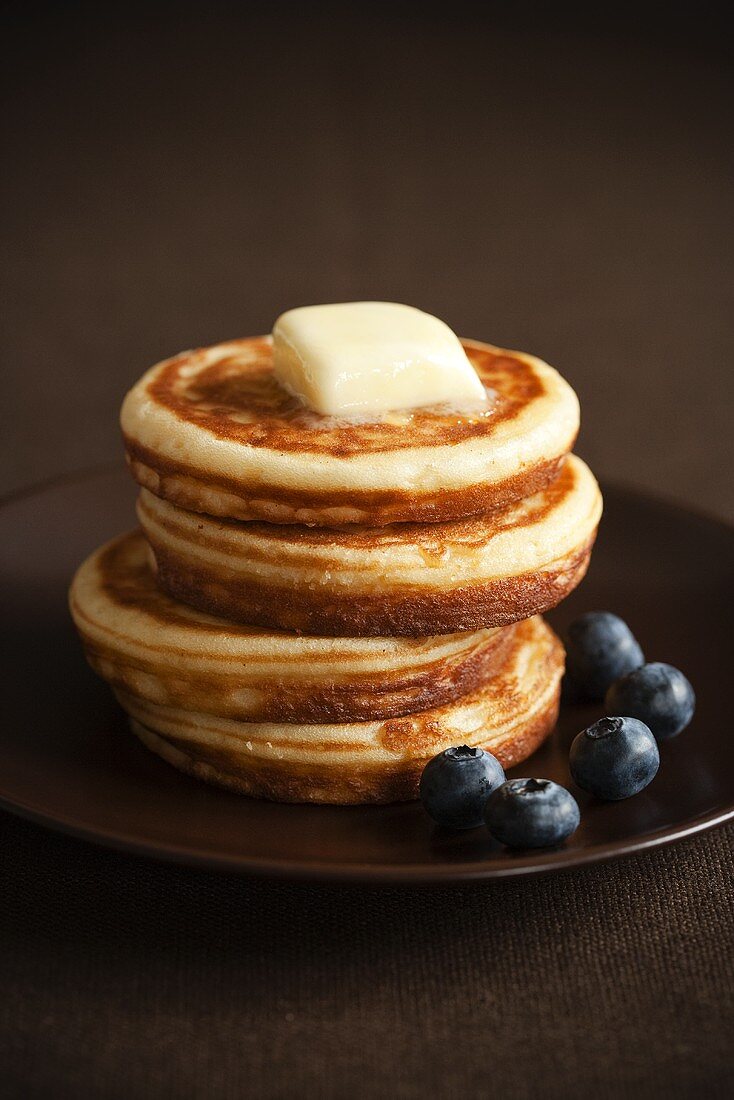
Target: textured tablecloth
<point>121,977</point>
<point>179,174</point>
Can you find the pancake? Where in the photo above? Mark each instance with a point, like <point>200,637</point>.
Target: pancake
<point>145,643</point>
<point>212,431</point>
<point>379,761</point>
<point>407,579</point>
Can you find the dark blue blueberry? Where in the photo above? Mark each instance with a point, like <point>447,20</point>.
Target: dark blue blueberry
<point>659,695</point>
<point>600,648</point>
<point>615,758</point>
<point>456,784</point>
<point>531,813</point>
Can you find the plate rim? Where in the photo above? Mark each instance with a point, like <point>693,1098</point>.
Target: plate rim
<point>529,864</point>
<point>407,874</point>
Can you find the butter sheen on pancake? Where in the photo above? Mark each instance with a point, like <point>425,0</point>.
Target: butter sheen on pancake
<point>212,431</point>
<point>406,579</point>
<point>377,761</point>
<point>148,645</point>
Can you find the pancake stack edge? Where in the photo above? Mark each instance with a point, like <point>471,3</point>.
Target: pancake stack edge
<point>328,663</point>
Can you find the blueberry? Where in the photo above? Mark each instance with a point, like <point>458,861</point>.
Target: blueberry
<point>615,758</point>
<point>456,783</point>
<point>600,648</point>
<point>659,695</point>
<point>531,813</point>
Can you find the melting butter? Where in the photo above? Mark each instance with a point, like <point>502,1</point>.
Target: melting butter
<point>369,357</point>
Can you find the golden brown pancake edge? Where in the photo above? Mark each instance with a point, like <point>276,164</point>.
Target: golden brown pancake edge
<point>354,582</point>
<point>144,642</point>
<point>529,709</point>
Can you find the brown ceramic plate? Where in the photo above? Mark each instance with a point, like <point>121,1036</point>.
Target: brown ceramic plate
<point>68,761</point>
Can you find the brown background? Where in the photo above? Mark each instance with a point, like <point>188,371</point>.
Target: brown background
<point>539,177</point>
<point>536,181</point>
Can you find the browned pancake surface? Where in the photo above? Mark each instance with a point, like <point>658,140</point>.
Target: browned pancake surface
<point>244,403</point>
<point>212,431</point>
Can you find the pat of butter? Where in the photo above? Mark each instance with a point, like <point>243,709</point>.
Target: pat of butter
<point>368,357</point>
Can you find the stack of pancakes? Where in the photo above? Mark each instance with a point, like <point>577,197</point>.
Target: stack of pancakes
<point>315,607</point>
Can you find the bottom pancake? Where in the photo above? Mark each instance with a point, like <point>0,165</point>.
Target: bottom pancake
<point>361,762</point>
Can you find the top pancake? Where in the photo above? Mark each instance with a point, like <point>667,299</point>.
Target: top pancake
<point>212,431</point>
